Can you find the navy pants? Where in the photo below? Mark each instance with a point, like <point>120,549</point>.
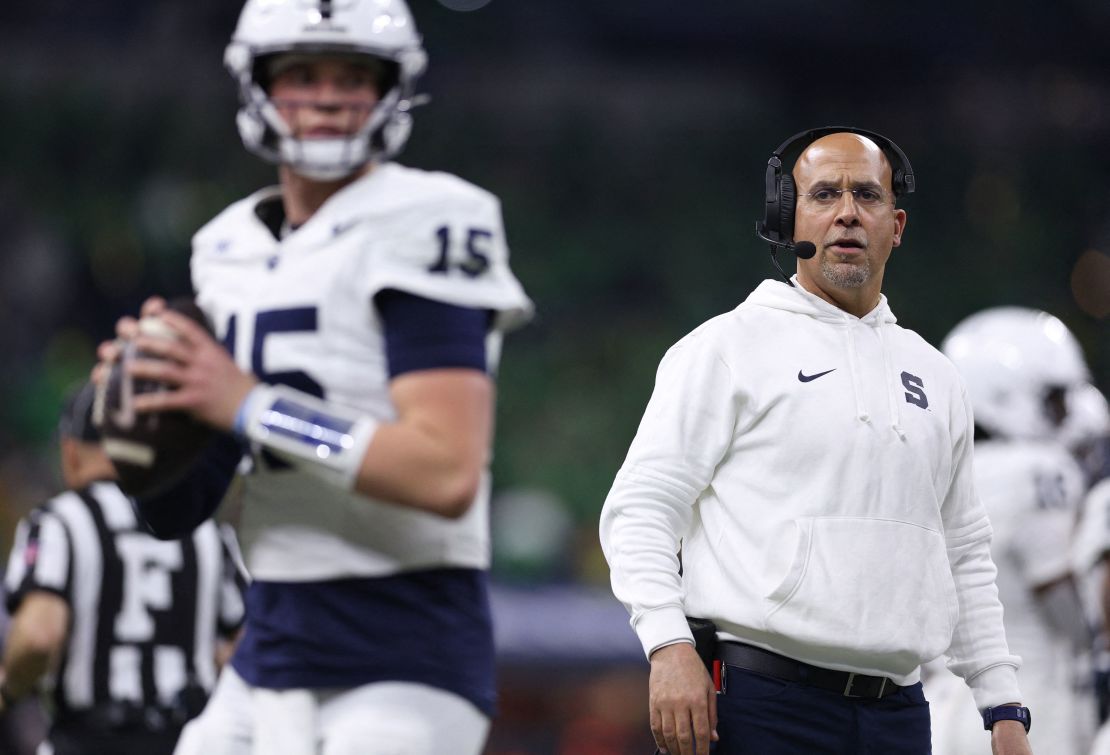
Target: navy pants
<point>760,715</point>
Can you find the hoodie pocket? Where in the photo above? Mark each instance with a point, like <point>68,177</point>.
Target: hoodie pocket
<point>873,588</point>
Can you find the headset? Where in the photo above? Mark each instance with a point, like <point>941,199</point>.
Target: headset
<point>777,226</point>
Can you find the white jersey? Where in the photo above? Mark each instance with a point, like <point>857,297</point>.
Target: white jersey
<point>300,311</point>
<point>1032,492</point>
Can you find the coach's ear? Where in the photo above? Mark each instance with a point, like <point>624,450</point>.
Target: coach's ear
<point>899,226</point>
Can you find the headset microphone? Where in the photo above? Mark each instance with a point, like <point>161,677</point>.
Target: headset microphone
<point>803,250</point>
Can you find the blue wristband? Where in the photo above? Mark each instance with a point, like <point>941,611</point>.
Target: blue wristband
<point>239,427</point>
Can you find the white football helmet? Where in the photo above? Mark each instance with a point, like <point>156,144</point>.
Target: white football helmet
<point>1020,366</point>
<point>383,29</point>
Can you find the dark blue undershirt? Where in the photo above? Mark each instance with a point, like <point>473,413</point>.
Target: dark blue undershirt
<point>431,627</point>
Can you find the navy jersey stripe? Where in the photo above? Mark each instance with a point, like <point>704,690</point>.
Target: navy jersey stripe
<point>423,334</point>
<point>431,627</point>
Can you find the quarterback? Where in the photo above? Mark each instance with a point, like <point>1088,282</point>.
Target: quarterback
<point>361,306</point>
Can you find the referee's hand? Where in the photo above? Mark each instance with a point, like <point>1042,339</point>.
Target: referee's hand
<point>682,700</point>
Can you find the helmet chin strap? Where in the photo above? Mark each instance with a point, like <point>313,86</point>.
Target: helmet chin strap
<point>266,133</point>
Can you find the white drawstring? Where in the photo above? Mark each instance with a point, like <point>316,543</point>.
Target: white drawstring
<point>861,410</point>
<point>891,388</point>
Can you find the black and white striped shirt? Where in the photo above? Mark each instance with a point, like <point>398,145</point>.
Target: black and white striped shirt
<point>145,613</point>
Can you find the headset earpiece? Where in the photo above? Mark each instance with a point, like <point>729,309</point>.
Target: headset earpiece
<point>787,199</point>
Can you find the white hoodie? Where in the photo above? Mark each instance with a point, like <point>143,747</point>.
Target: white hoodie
<point>815,470</point>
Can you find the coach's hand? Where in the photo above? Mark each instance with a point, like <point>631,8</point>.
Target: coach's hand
<point>682,700</point>
<point>1009,738</point>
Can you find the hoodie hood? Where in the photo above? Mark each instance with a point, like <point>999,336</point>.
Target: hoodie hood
<point>778,295</point>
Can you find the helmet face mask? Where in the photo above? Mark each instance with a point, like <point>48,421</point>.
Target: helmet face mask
<point>1021,367</point>
<point>382,30</point>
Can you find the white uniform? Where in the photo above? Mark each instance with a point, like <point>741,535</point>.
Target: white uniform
<point>816,469</point>
<point>1032,492</point>
<point>349,591</point>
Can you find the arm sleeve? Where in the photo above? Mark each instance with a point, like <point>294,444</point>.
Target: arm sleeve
<point>423,334</point>
<point>181,508</point>
<point>978,651</point>
<point>686,430</point>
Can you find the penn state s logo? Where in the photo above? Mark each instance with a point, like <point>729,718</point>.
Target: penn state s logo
<point>915,390</point>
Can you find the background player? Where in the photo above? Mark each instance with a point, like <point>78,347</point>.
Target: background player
<point>122,629</point>
<point>1023,368</point>
<point>363,304</point>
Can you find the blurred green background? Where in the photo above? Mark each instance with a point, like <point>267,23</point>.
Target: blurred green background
<point>627,140</point>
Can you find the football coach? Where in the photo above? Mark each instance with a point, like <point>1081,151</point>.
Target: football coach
<point>802,481</point>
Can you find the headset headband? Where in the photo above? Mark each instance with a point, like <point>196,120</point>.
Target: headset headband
<point>902,172</point>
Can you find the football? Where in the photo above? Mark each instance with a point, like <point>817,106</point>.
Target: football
<point>150,451</point>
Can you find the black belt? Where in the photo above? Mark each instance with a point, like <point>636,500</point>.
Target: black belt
<point>771,664</point>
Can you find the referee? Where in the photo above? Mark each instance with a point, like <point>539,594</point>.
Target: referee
<point>120,630</point>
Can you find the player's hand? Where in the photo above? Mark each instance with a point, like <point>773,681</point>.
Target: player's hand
<point>203,378</point>
<point>1009,738</point>
<point>126,328</point>
<point>682,701</point>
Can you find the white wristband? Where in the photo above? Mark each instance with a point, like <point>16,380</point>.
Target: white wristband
<point>314,435</point>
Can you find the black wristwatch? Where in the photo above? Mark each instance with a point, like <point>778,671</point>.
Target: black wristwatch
<point>1006,713</point>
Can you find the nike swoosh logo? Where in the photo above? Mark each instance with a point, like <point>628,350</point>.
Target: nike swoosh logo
<point>341,228</point>
<point>807,378</point>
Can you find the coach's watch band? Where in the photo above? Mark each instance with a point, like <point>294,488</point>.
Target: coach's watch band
<point>1006,713</point>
